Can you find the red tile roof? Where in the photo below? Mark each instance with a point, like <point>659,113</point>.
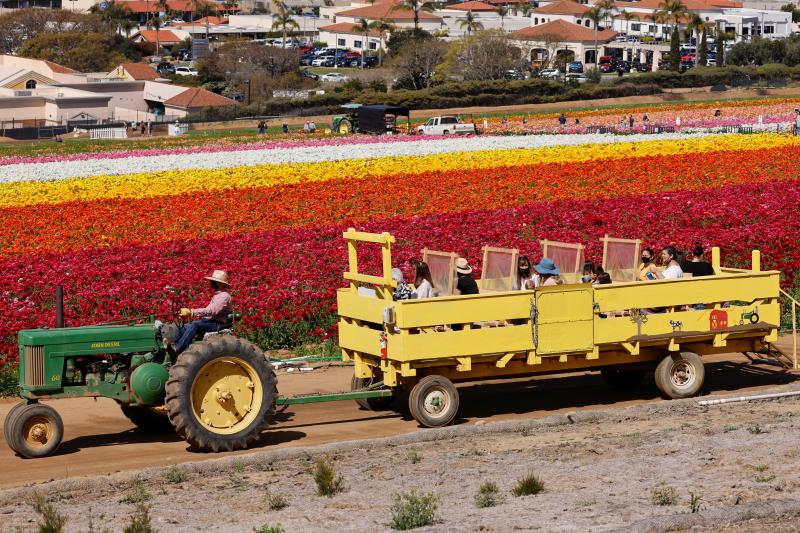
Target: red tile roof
<point>564,7</point>
<point>691,5</point>
<point>346,27</point>
<point>140,71</point>
<point>472,5</point>
<point>386,11</point>
<point>151,6</point>
<point>60,69</point>
<point>164,36</point>
<point>562,30</point>
<point>197,97</point>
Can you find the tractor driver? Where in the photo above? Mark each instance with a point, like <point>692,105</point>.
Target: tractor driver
<point>213,317</point>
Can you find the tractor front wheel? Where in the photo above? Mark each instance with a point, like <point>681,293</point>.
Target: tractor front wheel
<point>221,394</point>
<point>35,429</point>
<point>150,419</point>
<point>9,421</point>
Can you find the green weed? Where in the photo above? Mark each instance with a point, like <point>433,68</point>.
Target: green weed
<point>175,474</point>
<point>268,529</point>
<point>140,521</point>
<point>136,492</point>
<point>664,496</point>
<point>488,495</point>
<point>694,502</point>
<point>414,456</point>
<point>528,486</point>
<point>411,510</point>
<point>51,520</point>
<point>755,429</point>
<point>275,502</point>
<point>9,381</point>
<point>328,483</point>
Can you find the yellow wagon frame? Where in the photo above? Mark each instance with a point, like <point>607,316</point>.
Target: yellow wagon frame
<point>552,329</point>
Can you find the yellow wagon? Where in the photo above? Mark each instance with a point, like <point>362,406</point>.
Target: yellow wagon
<point>412,346</point>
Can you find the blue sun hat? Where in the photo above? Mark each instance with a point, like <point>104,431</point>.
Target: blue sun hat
<point>546,266</point>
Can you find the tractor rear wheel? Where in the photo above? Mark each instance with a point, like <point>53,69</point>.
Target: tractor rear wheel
<point>344,127</point>
<point>370,404</point>
<point>221,394</point>
<point>36,430</point>
<point>433,401</point>
<point>150,419</point>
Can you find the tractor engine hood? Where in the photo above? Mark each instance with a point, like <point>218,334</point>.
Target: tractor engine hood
<point>91,339</point>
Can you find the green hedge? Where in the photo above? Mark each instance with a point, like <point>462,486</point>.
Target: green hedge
<point>447,95</point>
<point>728,75</point>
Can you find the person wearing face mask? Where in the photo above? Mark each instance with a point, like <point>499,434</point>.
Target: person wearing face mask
<point>672,269</point>
<point>524,274</point>
<point>644,266</point>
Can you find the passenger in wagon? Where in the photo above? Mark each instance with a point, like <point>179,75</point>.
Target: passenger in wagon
<point>524,273</point>
<point>672,270</point>
<point>423,283</point>
<point>644,267</point>
<point>548,273</point>
<point>403,291</point>
<point>466,283</point>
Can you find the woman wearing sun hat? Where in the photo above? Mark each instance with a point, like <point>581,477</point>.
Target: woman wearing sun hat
<point>212,317</point>
<point>466,283</point>
<point>548,273</point>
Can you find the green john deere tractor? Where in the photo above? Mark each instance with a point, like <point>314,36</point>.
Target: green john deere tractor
<point>218,395</point>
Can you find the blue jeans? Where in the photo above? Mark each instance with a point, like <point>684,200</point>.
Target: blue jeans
<point>190,331</point>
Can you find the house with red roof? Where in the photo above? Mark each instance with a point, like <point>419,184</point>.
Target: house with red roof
<point>390,11</point>
<point>559,41</point>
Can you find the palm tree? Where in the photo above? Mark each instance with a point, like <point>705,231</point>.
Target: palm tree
<point>115,14</point>
<point>205,10</point>
<point>608,8</point>
<point>156,22</point>
<point>675,11</point>
<point>502,12</point>
<point>363,26</point>
<point>627,16</point>
<point>656,18</point>
<point>595,14</point>
<point>415,6</point>
<point>283,19</point>
<point>383,27</point>
<point>470,23</point>
<point>695,25</point>
<point>525,6</point>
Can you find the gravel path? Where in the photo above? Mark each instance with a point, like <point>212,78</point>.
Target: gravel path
<point>600,470</point>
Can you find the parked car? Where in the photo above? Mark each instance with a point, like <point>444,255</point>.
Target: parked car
<point>186,71</point>
<point>324,61</point>
<point>308,74</point>
<point>445,125</point>
<point>307,59</point>
<point>550,73</point>
<point>165,68</point>
<point>607,64</point>
<point>575,66</point>
<point>333,77</point>
<point>513,74</point>
<point>574,77</point>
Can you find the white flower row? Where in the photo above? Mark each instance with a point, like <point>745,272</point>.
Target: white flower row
<point>215,160</point>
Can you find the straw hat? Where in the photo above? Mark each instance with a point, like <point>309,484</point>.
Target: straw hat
<point>462,267</point>
<point>546,266</point>
<point>220,276</point>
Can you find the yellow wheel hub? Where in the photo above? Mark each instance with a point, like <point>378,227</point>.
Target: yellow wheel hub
<point>226,395</point>
<point>38,431</point>
<point>344,128</point>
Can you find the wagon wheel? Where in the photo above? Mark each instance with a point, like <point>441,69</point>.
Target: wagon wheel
<point>433,401</point>
<point>680,375</point>
<point>221,394</point>
<point>147,418</point>
<point>370,404</point>
<point>35,429</point>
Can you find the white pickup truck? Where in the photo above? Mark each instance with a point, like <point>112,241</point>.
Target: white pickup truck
<point>445,126</point>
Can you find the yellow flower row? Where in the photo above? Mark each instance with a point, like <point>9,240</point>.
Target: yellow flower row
<point>146,185</point>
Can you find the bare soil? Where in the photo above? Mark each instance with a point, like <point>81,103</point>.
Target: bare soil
<point>600,454</point>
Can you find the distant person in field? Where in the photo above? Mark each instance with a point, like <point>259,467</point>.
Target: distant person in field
<point>797,121</point>
<point>210,318</point>
<point>562,119</point>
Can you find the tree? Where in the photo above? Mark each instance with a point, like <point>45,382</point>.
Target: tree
<point>627,16</point>
<point>502,12</point>
<point>702,49</point>
<point>486,55</point>
<point>205,10</point>
<point>283,19</point>
<point>21,25</point>
<point>656,18</point>
<point>595,14</point>
<point>382,26</point>
<point>415,6</point>
<point>363,26</point>
<point>470,23</point>
<point>792,8</point>
<point>82,51</point>
<point>156,22</point>
<point>607,8</point>
<point>415,65</point>
<point>116,15</point>
<point>695,26</point>
<point>525,6</point>
<point>674,11</point>
<point>720,59</point>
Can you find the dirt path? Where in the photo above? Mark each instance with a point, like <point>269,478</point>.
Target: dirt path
<point>633,469</point>
<point>99,439</point>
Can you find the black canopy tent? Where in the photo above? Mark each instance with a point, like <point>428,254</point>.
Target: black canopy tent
<point>372,118</point>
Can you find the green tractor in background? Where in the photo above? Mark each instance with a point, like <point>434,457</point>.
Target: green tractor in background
<point>374,119</point>
<point>218,395</point>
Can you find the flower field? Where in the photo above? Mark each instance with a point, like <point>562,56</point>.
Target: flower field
<point>115,229</point>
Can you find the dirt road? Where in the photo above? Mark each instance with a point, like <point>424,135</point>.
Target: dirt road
<point>99,439</point>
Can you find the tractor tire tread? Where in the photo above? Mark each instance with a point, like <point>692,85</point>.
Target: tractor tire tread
<point>18,443</point>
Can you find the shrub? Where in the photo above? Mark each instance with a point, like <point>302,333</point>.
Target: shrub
<point>269,529</point>
<point>328,483</point>
<point>414,456</point>
<point>411,510</point>
<point>664,496</point>
<point>136,492</point>
<point>528,486</point>
<point>9,381</point>
<point>52,521</point>
<point>175,474</point>
<point>488,495</point>
<point>140,521</point>
<point>275,502</point>
<point>694,502</point>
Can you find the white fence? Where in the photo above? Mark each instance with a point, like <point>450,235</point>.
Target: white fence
<point>108,133</point>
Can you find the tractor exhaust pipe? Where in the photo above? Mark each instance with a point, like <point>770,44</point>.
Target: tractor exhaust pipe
<point>59,306</point>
